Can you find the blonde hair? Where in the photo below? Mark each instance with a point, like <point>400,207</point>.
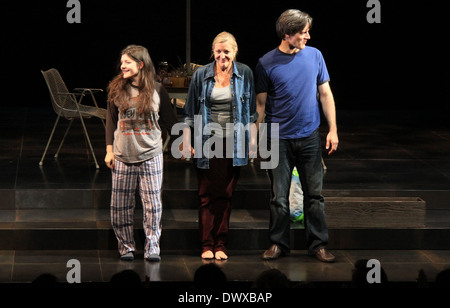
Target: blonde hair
<point>224,37</point>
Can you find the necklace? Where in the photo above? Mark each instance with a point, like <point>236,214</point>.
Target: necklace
<point>133,86</point>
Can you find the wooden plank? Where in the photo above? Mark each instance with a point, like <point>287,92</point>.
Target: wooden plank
<point>375,212</point>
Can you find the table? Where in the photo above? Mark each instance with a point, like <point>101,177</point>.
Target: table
<point>177,93</point>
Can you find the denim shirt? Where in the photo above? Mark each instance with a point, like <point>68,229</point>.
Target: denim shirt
<point>198,108</point>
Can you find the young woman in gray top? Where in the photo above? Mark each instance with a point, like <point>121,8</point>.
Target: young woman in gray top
<point>137,105</point>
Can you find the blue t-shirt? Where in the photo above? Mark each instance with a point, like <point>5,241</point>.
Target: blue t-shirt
<point>291,82</point>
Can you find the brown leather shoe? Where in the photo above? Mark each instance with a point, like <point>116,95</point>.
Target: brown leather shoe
<point>324,255</point>
<point>272,253</point>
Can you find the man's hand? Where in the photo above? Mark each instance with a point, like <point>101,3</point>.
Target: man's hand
<point>332,142</point>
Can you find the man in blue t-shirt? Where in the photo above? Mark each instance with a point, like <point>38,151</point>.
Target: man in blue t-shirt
<point>289,80</point>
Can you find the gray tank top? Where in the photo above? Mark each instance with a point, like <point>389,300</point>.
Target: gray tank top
<point>221,109</point>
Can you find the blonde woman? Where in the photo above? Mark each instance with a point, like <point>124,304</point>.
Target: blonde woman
<point>221,95</point>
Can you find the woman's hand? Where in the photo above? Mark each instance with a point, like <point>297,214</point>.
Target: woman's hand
<point>187,151</point>
<point>109,158</point>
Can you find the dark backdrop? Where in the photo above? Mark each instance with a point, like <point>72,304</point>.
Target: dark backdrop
<point>401,63</point>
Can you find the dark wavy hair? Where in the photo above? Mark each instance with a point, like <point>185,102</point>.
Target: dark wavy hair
<point>118,88</point>
<point>292,21</point>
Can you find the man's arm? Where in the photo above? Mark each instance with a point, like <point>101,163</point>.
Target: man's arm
<point>261,99</point>
<point>254,128</point>
<point>329,110</point>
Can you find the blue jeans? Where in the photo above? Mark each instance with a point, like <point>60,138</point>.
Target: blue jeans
<point>306,155</point>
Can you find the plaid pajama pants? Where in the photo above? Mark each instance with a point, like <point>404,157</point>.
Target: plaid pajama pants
<point>125,179</point>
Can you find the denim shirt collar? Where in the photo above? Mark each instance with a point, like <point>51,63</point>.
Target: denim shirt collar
<point>210,70</point>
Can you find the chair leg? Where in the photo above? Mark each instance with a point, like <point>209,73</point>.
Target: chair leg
<point>166,143</point>
<point>89,142</point>
<point>49,140</point>
<point>64,138</point>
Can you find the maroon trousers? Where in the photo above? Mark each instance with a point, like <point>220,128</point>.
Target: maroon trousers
<point>215,189</point>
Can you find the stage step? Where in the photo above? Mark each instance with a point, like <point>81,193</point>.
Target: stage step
<point>375,212</point>
<point>354,223</point>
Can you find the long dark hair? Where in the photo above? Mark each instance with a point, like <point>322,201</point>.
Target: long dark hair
<point>118,88</point>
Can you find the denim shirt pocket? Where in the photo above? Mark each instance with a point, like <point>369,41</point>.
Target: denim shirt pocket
<point>245,97</point>
<point>245,106</point>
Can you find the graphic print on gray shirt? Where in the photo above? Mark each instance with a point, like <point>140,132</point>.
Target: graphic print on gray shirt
<point>138,136</point>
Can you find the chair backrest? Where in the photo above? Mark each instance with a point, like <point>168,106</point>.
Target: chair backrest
<point>61,100</point>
